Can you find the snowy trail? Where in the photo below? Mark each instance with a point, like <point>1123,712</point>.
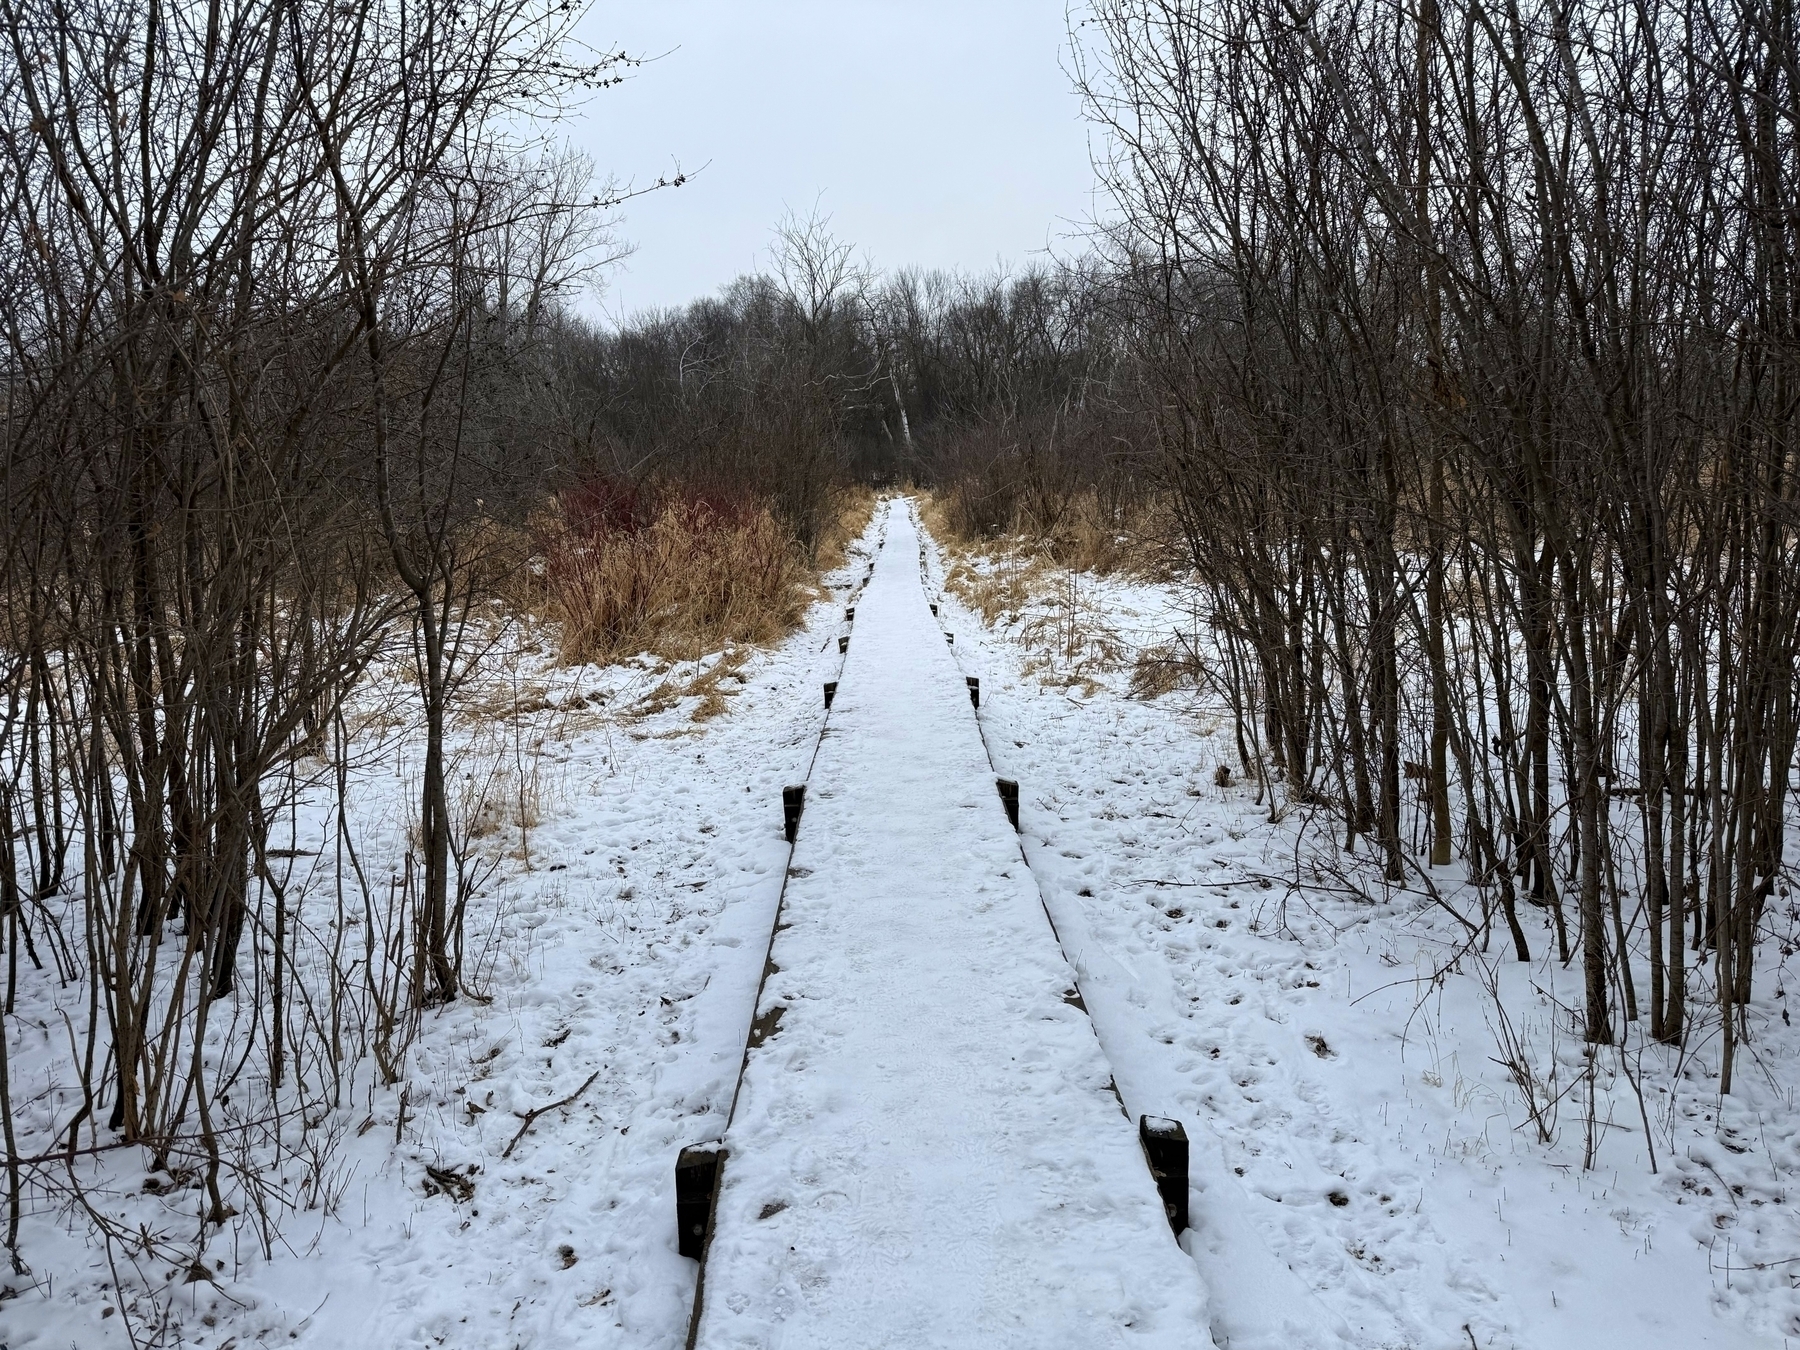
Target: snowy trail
<point>927,1151</point>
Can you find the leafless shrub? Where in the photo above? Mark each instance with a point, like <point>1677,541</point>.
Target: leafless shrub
<point>1458,335</point>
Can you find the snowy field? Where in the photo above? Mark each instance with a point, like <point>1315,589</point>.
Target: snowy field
<point>1366,1172</point>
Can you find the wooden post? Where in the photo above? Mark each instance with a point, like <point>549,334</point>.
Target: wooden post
<point>934,609</point>
<point>843,645</point>
<point>974,690</point>
<point>830,693</point>
<point>696,1191</point>
<point>1166,1150</point>
<point>793,802</point>
<point>1009,798</point>
<point>850,614</point>
<point>950,638</point>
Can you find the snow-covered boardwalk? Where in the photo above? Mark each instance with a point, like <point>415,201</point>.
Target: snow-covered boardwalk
<point>927,1152</point>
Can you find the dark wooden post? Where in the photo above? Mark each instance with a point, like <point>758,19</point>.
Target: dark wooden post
<point>850,614</point>
<point>830,693</point>
<point>696,1191</point>
<point>1009,798</point>
<point>1166,1150</point>
<point>843,645</point>
<point>934,609</point>
<point>950,638</point>
<point>793,802</point>
<point>974,690</point>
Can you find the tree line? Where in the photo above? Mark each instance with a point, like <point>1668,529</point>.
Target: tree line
<point>274,279</point>
<point>1470,329</point>
<point>1008,388</point>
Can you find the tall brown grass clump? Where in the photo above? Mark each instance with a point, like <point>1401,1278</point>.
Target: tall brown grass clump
<point>673,573</point>
<point>852,508</point>
<point>1080,530</point>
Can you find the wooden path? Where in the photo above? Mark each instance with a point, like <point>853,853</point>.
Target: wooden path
<point>926,1150</point>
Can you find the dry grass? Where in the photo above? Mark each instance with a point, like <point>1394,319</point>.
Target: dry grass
<point>694,580</point>
<point>852,510</point>
<point>679,576</point>
<point>504,566</point>
<point>1043,588</point>
<point>1052,610</point>
<point>1073,636</point>
<point>935,516</point>
<point>995,577</point>
<point>1166,667</point>
<point>717,681</point>
<point>999,592</point>
<point>1080,532</point>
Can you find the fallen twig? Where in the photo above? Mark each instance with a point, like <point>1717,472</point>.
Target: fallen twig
<point>530,1117</point>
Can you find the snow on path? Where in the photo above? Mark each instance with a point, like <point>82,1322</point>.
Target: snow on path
<point>928,1152</point>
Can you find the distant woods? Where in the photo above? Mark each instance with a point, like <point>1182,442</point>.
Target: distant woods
<point>1011,392</point>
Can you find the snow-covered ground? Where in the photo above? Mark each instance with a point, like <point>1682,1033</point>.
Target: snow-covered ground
<point>1364,1172</point>
<point>628,947</point>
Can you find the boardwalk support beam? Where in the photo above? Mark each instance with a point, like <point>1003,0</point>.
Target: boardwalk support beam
<point>1166,1150</point>
<point>974,690</point>
<point>696,1188</point>
<point>793,801</point>
<point>830,693</point>
<point>1009,798</point>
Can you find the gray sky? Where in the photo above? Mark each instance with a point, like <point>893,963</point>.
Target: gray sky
<point>932,132</point>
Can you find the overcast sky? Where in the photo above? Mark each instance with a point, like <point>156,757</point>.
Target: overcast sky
<point>938,133</point>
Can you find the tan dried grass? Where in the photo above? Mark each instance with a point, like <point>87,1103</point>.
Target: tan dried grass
<point>1071,630</point>
<point>692,581</point>
<point>1084,535</point>
<point>1164,668</point>
<point>998,592</point>
<point>852,509</point>
<point>709,686</point>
